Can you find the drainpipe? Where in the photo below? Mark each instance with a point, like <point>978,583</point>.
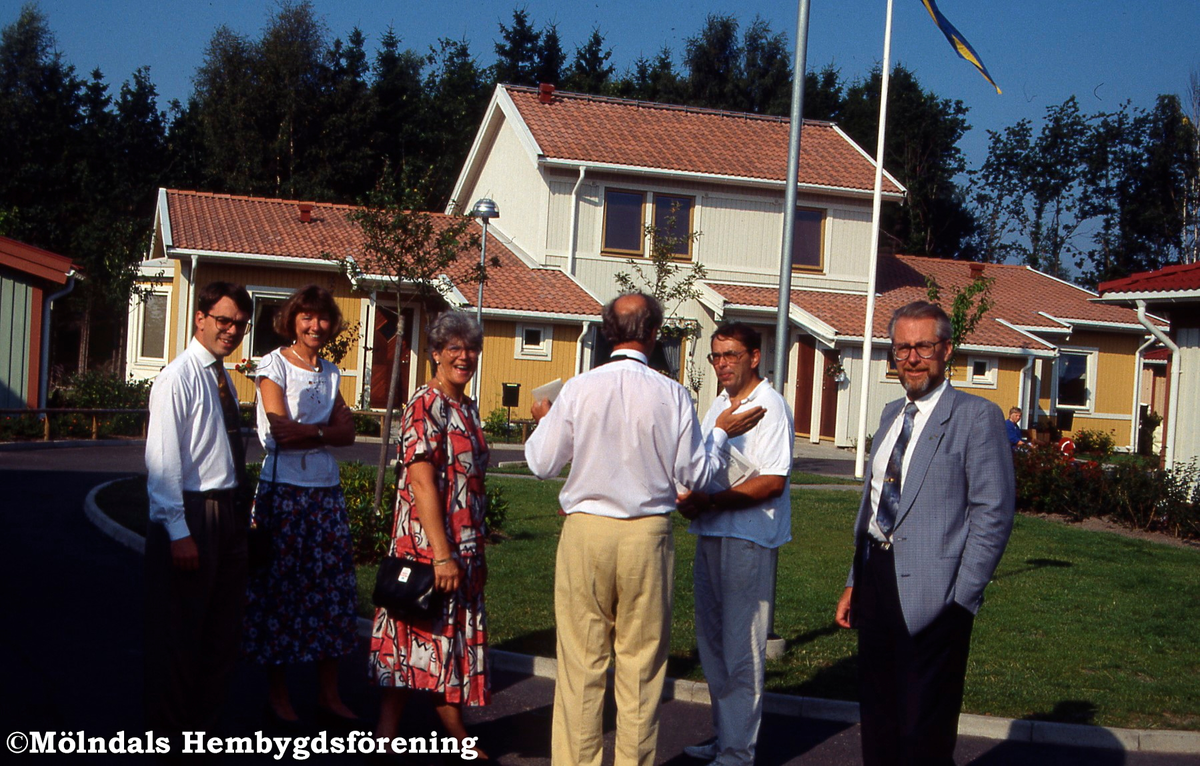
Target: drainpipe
<point>44,366</point>
<point>583,331</point>
<point>1173,395</point>
<point>1137,393</point>
<point>186,326</point>
<point>575,222</point>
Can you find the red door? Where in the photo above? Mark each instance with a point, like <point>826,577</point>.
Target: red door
<point>383,346</point>
<point>804,385</point>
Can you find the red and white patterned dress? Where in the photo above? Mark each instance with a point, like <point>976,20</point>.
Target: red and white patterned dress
<point>448,654</point>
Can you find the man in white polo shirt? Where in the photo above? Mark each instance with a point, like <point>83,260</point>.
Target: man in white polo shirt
<point>632,438</point>
<point>740,529</point>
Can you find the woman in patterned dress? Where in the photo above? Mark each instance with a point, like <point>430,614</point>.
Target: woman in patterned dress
<point>301,606</point>
<point>439,518</point>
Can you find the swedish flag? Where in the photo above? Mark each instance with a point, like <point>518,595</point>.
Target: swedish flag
<point>961,46</point>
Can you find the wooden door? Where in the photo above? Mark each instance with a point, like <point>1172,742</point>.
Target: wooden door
<point>383,346</point>
<point>806,354</point>
<point>829,394</point>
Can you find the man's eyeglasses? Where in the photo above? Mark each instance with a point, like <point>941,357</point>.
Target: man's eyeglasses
<point>224,323</point>
<point>924,350</point>
<point>729,357</point>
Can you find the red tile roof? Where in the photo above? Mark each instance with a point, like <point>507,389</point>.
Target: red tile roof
<point>1019,293</point>
<point>577,127</point>
<point>234,225</point>
<point>1169,279</point>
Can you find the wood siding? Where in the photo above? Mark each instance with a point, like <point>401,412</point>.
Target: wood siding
<point>16,331</point>
<point>500,365</point>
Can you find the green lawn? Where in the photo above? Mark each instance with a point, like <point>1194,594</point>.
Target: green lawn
<point>1079,626</point>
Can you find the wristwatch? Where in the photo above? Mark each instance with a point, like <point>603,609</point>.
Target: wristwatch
<point>320,433</point>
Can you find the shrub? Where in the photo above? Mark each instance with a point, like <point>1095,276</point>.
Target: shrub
<point>95,389</point>
<point>1049,482</point>
<point>496,422</point>
<point>497,511</point>
<point>367,425</point>
<point>372,532</point>
<point>1099,443</point>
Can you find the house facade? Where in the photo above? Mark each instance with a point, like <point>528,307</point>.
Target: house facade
<point>580,179</point>
<point>1173,291</point>
<point>29,277</point>
<point>533,317</point>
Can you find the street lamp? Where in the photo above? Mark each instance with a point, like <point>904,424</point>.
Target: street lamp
<point>485,210</point>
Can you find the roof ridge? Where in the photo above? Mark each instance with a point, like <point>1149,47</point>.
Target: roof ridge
<point>638,103</point>
<point>271,200</point>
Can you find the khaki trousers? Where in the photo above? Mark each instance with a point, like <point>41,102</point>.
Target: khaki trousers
<point>613,586</point>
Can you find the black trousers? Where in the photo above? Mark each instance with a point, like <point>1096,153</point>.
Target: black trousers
<point>910,687</point>
<point>194,619</point>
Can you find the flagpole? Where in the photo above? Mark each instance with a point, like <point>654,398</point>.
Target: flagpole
<point>782,319</point>
<point>873,256</point>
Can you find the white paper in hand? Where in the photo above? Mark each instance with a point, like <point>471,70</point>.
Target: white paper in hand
<point>547,391</point>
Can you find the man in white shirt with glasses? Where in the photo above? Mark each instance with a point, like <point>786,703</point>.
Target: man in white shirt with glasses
<point>196,540</point>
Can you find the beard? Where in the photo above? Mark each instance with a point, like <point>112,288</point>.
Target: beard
<point>917,389</point>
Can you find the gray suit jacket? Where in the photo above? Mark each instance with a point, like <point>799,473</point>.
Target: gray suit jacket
<point>956,507</point>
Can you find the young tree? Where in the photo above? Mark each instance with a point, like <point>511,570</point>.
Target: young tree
<point>412,250</point>
<point>672,281</point>
<point>967,306</point>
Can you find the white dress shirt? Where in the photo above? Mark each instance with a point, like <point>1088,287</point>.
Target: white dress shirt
<point>768,447</point>
<point>309,397</point>
<point>631,436</point>
<point>187,448</point>
<point>925,406</point>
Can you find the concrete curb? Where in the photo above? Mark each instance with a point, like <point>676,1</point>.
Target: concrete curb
<point>841,711</point>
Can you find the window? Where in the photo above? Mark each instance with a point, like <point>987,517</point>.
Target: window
<point>623,222</point>
<point>673,218</point>
<point>1074,373</point>
<point>533,342</point>
<point>808,241</point>
<point>981,371</point>
<point>263,338</point>
<point>154,327</point>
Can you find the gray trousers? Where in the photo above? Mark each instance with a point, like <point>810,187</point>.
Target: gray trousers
<point>733,579</point>
<point>194,619</point>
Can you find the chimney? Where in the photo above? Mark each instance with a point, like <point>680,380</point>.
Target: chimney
<point>545,93</point>
<point>976,271</point>
<point>305,211</point>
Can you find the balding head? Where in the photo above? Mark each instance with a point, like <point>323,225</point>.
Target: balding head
<point>632,318</point>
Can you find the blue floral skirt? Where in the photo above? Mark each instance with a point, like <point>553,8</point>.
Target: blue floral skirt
<point>301,607</point>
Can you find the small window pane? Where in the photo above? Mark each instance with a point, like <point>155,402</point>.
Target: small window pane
<point>623,221</point>
<point>980,369</point>
<point>154,326</point>
<point>1072,380</point>
<point>673,218</point>
<point>533,337</point>
<point>265,339</point>
<point>806,242</point>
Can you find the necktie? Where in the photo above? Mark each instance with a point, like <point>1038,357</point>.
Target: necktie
<point>889,496</point>
<point>233,424</point>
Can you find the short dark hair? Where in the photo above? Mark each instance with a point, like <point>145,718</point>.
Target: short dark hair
<point>742,333</point>
<point>638,324</point>
<point>454,325</point>
<point>212,293</point>
<point>311,299</point>
<point>923,310</point>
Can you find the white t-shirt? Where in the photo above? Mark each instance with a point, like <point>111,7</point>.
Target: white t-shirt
<point>310,397</point>
<point>768,447</point>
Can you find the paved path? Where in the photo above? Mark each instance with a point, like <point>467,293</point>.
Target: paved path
<point>72,648</point>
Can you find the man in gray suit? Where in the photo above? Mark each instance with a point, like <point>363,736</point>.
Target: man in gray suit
<point>936,513</point>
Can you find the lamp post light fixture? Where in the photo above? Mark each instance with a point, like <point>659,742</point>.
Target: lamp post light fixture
<point>485,210</point>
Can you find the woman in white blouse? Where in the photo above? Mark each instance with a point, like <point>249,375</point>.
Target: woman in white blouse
<point>301,606</point>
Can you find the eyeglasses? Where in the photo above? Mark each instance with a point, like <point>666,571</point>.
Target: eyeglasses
<point>924,350</point>
<point>457,350</point>
<point>224,323</point>
<point>729,357</point>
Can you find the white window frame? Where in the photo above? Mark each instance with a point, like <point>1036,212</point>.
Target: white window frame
<point>257,294</point>
<point>988,379</point>
<point>541,352</point>
<point>1092,355</point>
<point>138,329</point>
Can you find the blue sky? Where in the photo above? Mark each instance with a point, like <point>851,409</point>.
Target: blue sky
<point>1102,51</point>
